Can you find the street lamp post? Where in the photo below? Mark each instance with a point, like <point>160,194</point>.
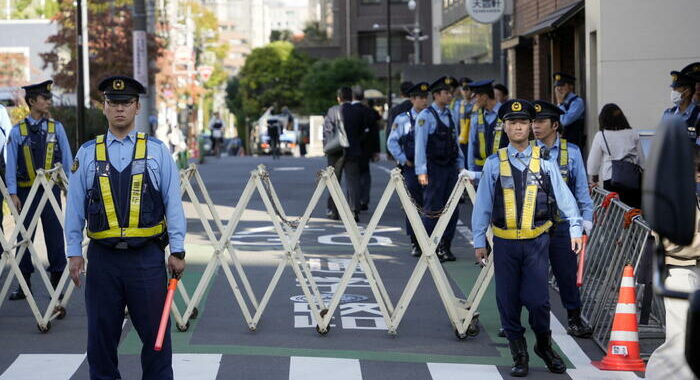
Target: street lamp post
<point>414,33</point>
<point>388,54</point>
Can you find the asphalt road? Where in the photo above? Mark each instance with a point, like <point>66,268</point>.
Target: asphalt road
<point>285,345</point>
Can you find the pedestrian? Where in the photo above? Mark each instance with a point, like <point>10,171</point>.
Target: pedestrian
<point>274,130</point>
<point>400,108</point>
<point>500,92</point>
<point>463,113</point>
<point>402,145</point>
<point>486,133</point>
<point>616,140</point>
<point>216,125</point>
<point>668,360</point>
<point>125,185</point>
<point>682,94</point>
<point>518,195</point>
<point>5,128</point>
<point>38,142</point>
<point>370,144</point>
<point>573,119</point>
<point>438,162</point>
<point>567,157</point>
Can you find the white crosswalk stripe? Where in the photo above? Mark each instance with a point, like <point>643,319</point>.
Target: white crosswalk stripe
<point>450,371</point>
<point>196,366</point>
<point>43,366</point>
<point>306,368</point>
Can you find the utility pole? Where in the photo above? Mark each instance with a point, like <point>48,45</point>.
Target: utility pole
<point>388,53</point>
<point>140,60</point>
<point>80,91</point>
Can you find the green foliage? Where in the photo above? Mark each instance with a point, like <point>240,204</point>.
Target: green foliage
<point>320,84</point>
<point>95,123</point>
<point>234,102</point>
<point>281,35</point>
<point>314,32</point>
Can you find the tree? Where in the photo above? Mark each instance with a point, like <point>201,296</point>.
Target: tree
<point>234,102</point>
<point>281,35</point>
<point>314,33</point>
<point>320,84</point>
<point>110,41</point>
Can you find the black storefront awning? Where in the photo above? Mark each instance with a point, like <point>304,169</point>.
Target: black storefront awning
<point>556,19</point>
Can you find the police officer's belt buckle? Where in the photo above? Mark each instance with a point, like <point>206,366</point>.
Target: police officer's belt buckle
<point>122,245</point>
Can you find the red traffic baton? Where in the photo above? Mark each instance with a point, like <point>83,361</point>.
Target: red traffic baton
<point>172,285</point>
<point>581,260</point>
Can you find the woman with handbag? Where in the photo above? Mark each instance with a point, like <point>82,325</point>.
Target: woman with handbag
<point>616,156</point>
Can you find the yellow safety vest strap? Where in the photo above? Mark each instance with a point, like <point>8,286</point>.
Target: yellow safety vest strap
<point>137,182</point>
<point>482,138</point>
<point>522,234</point>
<point>509,204</point>
<point>564,158</point>
<point>497,134</point>
<point>50,145</point>
<point>28,160</point>
<point>129,232</point>
<point>105,185</point>
<point>530,200</point>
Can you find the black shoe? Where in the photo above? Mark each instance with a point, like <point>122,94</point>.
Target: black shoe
<point>501,333</point>
<point>332,215</point>
<point>543,349</point>
<point>18,294</point>
<point>440,252</point>
<point>577,327</point>
<point>415,250</point>
<point>55,279</point>
<point>449,256</point>
<point>518,349</point>
<point>364,207</point>
<point>357,217</point>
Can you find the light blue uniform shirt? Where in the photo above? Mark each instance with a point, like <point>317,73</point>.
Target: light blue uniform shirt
<point>489,117</point>
<point>163,174</point>
<point>575,111</point>
<point>400,128</point>
<point>14,152</point>
<point>483,208</point>
<point>675,110</point>
<point>5,128</point>
<point>577,173</point>
<point>425,126</point>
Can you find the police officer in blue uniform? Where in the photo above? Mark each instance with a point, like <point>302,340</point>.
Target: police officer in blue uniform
<point>38,142</point>
<point>462,113</point>
<point>567,157</point>
<point>402,146</point>
<point>682,93</point>
<point>573,119</point>
<point>125,185</point>
<point>439,161</point>
<point>518,195</point>
<point>485,133</point>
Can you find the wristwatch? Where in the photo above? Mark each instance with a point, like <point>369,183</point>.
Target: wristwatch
<point>179,255</point>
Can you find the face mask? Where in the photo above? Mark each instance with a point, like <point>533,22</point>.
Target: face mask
<point>697,189</point>
<point>676,97</point>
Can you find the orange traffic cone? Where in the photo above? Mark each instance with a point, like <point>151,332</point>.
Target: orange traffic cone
<point>623,348</point>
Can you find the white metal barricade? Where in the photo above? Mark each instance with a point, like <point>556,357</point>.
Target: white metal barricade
<point>21,238</point>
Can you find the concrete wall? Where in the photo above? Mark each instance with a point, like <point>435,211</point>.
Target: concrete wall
<point>631,46</point>
<point>31,35</point>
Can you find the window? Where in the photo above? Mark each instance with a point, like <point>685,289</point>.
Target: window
<point>373,47</point>
<point>467,41</point>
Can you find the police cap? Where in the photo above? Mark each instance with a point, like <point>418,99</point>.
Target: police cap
<point>464,82</point>
<point>43,88</point>
<point>693,71</point>
<point>419,89</point>
<point>546,110</point>
<point>443,83</point>
<point>481,86</point>
<point>563,78</point>
<point>516,109</point>
<point>121,87</point>
<point>679,79</point>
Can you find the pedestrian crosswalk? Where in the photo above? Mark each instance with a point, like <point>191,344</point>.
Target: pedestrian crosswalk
<point>209,367</point>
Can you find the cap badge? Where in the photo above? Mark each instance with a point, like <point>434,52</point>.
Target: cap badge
<point>118,84</point>
<point>538,108</point>
<point>424,87</point>
<point>674,77</point>
<point>557,77</point>
<point>516,107</point>
<point>49,86</point>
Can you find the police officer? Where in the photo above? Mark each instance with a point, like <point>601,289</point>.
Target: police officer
<point>438,161</point>
<point>125,186</point>
<point>517,195</point>
<point>38,142</point>
<point>462,113</point>
<point>682,93</point>
<point>485,134</point>
<point>567,157</point>
<point>572,121</point>
<point>401,145</point>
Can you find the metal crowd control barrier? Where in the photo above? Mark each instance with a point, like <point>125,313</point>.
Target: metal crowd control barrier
<point>618,238</point>
<point>21,238</point>
<point>462,312</point>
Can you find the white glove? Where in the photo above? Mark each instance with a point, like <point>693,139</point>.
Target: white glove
<point>466,173</point>
<point>588,227</point>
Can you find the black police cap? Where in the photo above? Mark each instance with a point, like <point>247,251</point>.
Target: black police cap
<point>563,78</point>
<point>481,86</point>
<point>121,87</point>
<point>679,79</point>
<point>516,109</point>
<point>693,71</point>
<point>419,89</point>
<point>546,110</point>
<point>464,81</point>
<point>443,83</point>
<point>43,88</point>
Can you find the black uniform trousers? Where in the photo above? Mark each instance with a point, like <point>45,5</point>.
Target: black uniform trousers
<point>53,232</point>
<point>365,180</point>
<point>350,165</point>
<point>564,263</point>
<point>521,270</point>
<point>441,182</point>
<point>133,278</point>
<point>415,190</point>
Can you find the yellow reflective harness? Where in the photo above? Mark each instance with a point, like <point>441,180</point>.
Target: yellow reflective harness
<point>27,153</point>
<point>497,134</point>
<point>136,189</point>
<point>526,230</point>
<point>464,123</point>
<point>564,159</point>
